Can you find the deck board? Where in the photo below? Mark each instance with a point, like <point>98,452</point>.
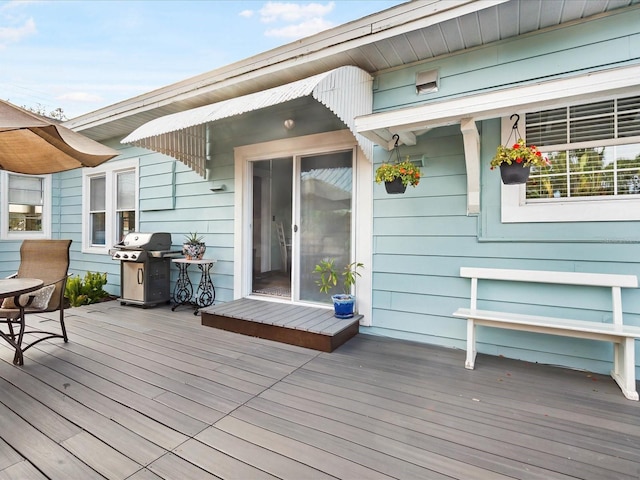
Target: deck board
<point>151,394</point>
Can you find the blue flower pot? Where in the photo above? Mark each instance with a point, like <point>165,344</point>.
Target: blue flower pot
<point>343,305</point>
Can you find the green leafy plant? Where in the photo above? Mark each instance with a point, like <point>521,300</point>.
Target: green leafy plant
<point>521,154</point>
<point>329,275</point>
<point>193,238</point>
<point>407,171</point>
<point>86,291</point>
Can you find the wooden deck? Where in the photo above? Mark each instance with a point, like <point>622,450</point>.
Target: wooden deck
<point>309,327</point>
<point>146,394</point>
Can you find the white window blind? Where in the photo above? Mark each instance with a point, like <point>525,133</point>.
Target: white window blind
<point>594,150</point>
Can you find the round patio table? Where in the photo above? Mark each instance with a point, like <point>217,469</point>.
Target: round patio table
<point>14,287</point>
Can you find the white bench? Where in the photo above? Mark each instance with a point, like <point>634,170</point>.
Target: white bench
<point>623,336</point>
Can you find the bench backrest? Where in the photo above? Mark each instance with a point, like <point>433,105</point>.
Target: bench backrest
<point>613,281</point>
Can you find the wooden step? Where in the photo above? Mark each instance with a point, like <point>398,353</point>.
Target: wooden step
<point>305,326</point>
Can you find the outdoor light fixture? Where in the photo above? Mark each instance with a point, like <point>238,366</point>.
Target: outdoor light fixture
<point>427,82</point>
<point>289,124</point>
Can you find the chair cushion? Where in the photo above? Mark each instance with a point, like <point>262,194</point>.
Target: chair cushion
<point>40,298</point>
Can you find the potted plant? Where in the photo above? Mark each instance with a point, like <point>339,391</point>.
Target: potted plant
<point>193,247</point>
<point>343,303</point>
<point>515,162</point>
<point>396,176</point>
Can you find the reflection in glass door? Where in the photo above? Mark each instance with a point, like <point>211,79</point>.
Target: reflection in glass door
<point>325,191</point>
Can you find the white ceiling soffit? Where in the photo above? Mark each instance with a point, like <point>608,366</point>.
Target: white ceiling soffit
<point>346,91</point>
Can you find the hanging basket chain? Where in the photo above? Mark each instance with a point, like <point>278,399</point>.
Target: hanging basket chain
<point>514,128</point>
<point>396,148</point>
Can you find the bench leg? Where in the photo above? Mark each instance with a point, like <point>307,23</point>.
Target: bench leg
<point>624,367</point>
<point>471,345</point>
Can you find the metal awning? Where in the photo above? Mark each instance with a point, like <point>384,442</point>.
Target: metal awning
<point>346,91</point>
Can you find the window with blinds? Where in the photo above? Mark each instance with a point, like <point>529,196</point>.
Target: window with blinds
<point>26,203</point>
<point>594,150</point>
<point>98,209</point>
<point>110,204</point>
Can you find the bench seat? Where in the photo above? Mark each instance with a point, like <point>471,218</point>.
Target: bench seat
<point>622,336</point>
<point>550,325</point>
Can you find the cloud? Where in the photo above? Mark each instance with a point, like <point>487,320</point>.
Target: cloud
<point>15,34</point>
<point>300,30</point>
<point>293,12</point>
<point>293,20</point>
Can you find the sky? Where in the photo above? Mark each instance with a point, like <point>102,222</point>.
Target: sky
<point>83,55</point>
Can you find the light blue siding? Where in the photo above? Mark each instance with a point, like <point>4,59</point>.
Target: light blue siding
<point>422,238</point>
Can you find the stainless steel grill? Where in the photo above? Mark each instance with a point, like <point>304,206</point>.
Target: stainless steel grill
<point>145,259</point>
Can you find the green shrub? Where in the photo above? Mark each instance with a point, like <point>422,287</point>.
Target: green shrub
<point>87,291</point>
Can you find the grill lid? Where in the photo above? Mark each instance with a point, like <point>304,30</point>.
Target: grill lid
<point>145,241</point>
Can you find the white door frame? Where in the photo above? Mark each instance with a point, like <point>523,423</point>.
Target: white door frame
<point>265,247</point>
<point>362,194</point>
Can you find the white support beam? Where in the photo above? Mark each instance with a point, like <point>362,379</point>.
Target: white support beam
<point>471,139</point>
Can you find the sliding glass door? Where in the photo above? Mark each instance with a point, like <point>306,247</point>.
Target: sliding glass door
<point>324,217</point>
<point>301,215</point>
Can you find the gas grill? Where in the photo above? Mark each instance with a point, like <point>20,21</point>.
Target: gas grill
<point>145,259</point>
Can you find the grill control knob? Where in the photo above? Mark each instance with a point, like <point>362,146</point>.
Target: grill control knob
<point>125,256</point>
<point>134,256</point>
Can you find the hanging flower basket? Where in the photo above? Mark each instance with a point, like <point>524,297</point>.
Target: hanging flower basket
<point>399,174</point>
<point>515,162</point>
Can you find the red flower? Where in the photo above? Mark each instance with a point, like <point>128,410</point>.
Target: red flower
<point>516,145</point>
<point>518,160</point>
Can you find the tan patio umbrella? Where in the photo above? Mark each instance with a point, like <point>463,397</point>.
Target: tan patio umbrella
<point>35,145</point>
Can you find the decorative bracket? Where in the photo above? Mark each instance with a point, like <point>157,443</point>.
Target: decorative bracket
<point>471,139</point>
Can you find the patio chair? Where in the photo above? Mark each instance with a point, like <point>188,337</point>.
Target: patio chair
<point>47,260</point>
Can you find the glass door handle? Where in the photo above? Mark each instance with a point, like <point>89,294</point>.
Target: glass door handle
<point>295,228</point>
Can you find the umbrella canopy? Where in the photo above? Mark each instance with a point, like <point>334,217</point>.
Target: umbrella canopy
<point>35,145</point>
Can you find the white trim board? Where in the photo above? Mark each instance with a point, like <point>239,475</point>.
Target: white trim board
<point>495,104</point>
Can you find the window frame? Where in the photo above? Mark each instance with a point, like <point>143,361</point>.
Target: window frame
<point>516,209</point>
<point>110,171</point>
<point>47,196</point>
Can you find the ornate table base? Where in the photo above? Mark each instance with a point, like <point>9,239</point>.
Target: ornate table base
<point>183,291</point>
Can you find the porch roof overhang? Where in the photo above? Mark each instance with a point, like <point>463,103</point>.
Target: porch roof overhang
<point>409,123</point>
<point>346,91</point>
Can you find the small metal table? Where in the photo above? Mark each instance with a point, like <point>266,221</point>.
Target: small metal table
<point>14,287</point>
<point>183,290</point>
